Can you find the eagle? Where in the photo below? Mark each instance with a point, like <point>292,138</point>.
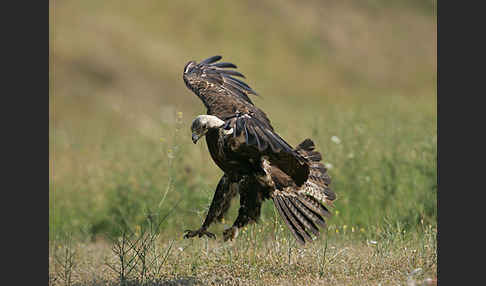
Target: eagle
<point>257,163</point>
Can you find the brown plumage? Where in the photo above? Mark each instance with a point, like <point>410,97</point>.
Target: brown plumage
<point>258,163</point>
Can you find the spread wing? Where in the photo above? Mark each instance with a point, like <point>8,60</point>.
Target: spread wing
<point>221,74</point>
<point>253,139</point>
<point>302,208</point>
<point>301,213</point>
<point>217,85</point>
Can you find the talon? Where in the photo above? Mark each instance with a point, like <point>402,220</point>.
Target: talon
<point>230,233</point>
<point>200,232</point>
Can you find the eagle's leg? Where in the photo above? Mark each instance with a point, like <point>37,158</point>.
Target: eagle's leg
<point>219,205</point>
<point>249,212</point>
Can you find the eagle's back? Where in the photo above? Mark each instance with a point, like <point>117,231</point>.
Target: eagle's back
<point>222,104</point>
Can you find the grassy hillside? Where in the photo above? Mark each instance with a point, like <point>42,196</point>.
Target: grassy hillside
<point>358,77</point>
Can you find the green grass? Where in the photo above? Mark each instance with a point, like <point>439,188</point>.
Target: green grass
<point>356,77</point>
<point>383,167</point>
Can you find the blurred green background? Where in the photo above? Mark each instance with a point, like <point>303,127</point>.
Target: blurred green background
<point>358,77</point>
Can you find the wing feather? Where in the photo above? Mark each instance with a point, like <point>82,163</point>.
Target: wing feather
<point>297,219</point>
<point>224,65</point>
<point>223,94</point>
<point>316,218</point>
<point>232,72</point>
<point>210,60</point>
<point>260,141</point>
<point>217,73</point>
<point>303,217</point>
<point>278,204</point>
<point>314,205</point>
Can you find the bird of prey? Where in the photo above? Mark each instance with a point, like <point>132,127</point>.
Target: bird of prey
<point>257,163</point>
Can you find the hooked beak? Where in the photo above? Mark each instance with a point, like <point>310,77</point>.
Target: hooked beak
<point>195,137</point>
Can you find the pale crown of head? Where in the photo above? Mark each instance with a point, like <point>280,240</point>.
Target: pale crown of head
<point>202,123</point>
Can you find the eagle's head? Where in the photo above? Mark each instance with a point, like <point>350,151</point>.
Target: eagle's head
<point>202,124</point>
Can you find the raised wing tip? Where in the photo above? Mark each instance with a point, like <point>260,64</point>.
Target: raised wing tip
<point>224,65</point>
<point>211,60</point>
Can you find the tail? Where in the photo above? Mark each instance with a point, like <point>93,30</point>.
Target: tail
<point>301,208</point>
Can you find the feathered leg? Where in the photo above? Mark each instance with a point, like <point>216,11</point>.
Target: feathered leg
<point>219,206</point>
<point>251,199</point>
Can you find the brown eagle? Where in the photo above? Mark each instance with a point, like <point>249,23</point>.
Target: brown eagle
<point>257,163</point>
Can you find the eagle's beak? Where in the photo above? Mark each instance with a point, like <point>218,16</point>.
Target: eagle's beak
<point>195,137</point>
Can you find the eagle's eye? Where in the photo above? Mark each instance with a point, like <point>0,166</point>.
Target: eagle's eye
<point>189,66</point>
<point>198,126</point>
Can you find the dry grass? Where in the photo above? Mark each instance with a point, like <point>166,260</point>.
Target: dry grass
<point>262,257</point>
